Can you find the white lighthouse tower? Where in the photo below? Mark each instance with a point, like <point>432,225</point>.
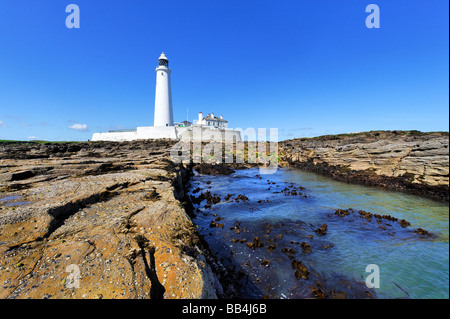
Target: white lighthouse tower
<point>163,94</point>
<point>207,129</point>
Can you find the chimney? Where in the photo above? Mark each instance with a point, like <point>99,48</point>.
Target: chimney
<point>200,117</point>
<point>221,117</point>
<point>212,115</point>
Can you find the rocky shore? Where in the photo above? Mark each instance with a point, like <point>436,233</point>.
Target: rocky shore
<point>114,217</point>
<point>109,215</point>
<point>408,161</point>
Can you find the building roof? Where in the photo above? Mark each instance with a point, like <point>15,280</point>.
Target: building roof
<point>209,118</point>
<point>163,57</point>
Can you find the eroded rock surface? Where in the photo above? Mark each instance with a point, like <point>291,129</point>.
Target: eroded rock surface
<point>403,160</point>
<point>108,212</point>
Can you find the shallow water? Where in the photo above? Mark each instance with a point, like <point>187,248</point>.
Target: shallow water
<point>10,198</point>
<point>12,201</point>
<point>410,265</point>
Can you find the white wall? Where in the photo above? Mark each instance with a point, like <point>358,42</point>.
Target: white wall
<point>171,132</point>
<point>150,132</point>
<point>163,98</point>
<point>115,136</point>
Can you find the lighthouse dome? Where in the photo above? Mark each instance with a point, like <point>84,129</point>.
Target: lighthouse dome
<point>163,60</point>
<point>163,57</point>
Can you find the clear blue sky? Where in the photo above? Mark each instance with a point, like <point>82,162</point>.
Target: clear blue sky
<point>307,68</point>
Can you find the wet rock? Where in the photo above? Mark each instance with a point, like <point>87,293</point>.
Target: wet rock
<point>242,198</point>
<point>256,243</point>
<point>322,230</point>
<point>381,220</point>
<point>228,196</point>
<point>213,224</point>
<point>423,232</point>
<point>404,223</point>
<point>265,263</point>
<point>300,270</point>
<point>305,247</point>
<point>211,198</point>
<point>214,169</point>
<point>342,212</point>
<point>317,291</point>
<point>338,294</point>
<point>365,215</point>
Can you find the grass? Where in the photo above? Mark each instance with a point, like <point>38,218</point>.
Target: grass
<point>37,142</point>
<point>376,133</point>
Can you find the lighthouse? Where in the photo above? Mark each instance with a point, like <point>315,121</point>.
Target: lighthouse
<point>163,94</point>
<point>207,128</point>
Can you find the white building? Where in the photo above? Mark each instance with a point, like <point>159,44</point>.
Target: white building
<point>207,128</point>
<point>211,121</point>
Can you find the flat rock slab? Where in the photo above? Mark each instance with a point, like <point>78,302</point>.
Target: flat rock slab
<point>76,222</point>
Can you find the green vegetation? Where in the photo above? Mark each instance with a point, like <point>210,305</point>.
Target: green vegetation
<point>375,134</point>
<point>37,142</point>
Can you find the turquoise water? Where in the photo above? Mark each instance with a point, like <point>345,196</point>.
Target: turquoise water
<point>411,266</point>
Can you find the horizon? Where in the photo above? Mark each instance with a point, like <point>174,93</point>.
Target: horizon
<point>308,69</point>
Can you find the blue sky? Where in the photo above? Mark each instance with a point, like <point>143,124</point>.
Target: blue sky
<point>307,68</point>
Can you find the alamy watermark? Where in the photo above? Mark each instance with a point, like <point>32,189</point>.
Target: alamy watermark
<point>73,19</point>
<point>73,279</point>
<point>373,19</point>
<point>373,279</point>
<point>251,146</point>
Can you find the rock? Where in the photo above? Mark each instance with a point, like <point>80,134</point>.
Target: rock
<point>113,209</point>
<point>255,244</point>
<point>322,230</point>
<point>241,198</point>
<point>151,196</point>
<point>404,223</point>
<point>213,224</point>
<point>408,161</point>
<point>300,271</point>
<point>306,247</point>
<point>423,232</point>
<point>342,212</point>
<point>265,263</point>
<point>213,169</point>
